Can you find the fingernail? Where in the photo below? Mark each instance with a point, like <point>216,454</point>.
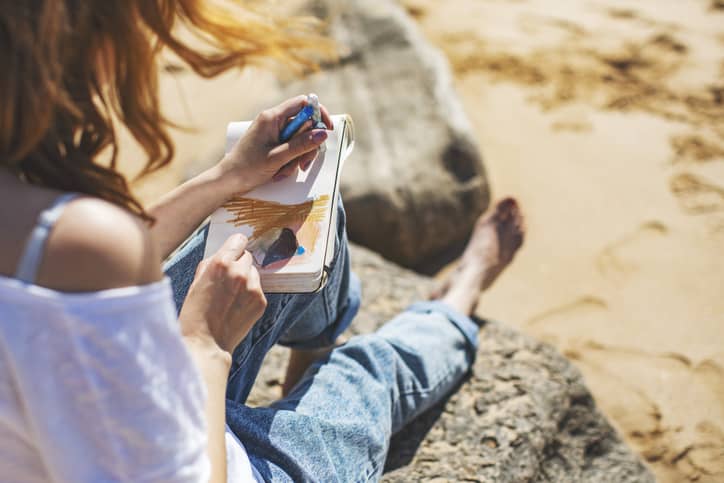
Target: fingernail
<point>279,177</point>
<point>306,165</point>
<point>319,136</point>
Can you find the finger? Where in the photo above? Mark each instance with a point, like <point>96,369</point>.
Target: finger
<point>254,285</point>
<point>299,145</point>
<point>233,247</point>
<point>200,268</point>
<point>253,280</point>
<point>305,127</point>
<point>245,262</point>
<point>286,170</point>
<point>305,161</point>
<point>326,118</point>
<point>290,107</point>
<point>238,272</point>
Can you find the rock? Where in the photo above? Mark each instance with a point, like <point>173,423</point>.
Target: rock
<point>416,175</point>
<point>523,414</point>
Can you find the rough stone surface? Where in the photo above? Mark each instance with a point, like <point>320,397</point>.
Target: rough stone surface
<point>524,414</point>
<point>416,175</point>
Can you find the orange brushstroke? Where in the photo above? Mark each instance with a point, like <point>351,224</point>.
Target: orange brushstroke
<point>263,216</point>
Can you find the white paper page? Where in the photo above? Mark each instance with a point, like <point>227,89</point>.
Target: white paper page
<point>318,180</point>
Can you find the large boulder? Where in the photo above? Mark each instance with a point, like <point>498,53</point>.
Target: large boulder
<point>415,183</point>
<point>524,413</point>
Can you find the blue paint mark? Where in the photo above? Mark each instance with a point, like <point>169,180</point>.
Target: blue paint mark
<point>300,250</point>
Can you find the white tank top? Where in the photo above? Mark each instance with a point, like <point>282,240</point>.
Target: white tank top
<point>99,386</point>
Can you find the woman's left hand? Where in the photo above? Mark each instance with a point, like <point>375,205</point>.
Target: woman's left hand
<point>259,157</point>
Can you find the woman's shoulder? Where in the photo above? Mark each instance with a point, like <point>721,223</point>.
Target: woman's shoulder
<point>96,245</point>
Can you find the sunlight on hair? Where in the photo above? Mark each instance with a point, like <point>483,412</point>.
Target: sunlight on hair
<point>76,72</point>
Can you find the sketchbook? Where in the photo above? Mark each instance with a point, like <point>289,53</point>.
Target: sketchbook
<point>291,224</point>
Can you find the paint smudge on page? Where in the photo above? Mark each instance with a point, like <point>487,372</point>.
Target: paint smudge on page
<point>280,231</point>
<point>283,248</point>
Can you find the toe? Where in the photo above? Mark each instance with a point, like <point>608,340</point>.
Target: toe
<point>507,208</point>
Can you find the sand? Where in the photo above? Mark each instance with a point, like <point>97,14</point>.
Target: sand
<point>605,119</point>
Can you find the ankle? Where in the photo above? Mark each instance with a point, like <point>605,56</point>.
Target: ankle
<point>462,300</point>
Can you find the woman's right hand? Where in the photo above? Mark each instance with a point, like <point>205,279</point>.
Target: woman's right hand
<point>225,298</point>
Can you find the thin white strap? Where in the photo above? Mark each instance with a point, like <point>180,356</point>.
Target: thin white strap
<point>33,254</point>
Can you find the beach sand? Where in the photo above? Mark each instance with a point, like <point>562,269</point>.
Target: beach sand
<point>605,119</point>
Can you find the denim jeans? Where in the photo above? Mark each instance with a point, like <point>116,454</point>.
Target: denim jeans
<point>336,423</point>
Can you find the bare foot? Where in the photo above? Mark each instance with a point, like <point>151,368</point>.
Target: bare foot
<point>496,238</point>
<point>492,246</point>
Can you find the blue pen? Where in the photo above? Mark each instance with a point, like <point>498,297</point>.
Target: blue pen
<point>296,123</point>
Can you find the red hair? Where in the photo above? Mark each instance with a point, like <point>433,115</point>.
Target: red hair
<point>71,68</point>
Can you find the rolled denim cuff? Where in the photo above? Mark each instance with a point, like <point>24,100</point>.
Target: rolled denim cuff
<point>464,324</point>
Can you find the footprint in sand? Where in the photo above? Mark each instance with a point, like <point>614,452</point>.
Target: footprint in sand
<point>708,454</point>
<point>693,148</point>
<point>174,68</point>
<point>713,373</point>
<point>689,452</point>
<point>611,260</point>
<point>676,357</point>
<point>628,14</point>
<point>533,24</point>
<point>697,195</point>
<point>622,13</point>
<point>583,303</point>
<point>415,9</point>
<point>638,414</point>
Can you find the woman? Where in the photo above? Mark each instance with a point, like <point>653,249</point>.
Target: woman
<point>100,379</point>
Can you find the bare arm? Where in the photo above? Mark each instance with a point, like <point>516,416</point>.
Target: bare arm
<point>183,209</point>
<point>213,364</point>
<point>224,301</point>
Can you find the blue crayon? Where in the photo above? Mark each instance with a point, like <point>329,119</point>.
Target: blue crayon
<point>296,123</point>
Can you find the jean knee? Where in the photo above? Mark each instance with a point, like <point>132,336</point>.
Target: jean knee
<point>373,354</point>
<point>334,307</point>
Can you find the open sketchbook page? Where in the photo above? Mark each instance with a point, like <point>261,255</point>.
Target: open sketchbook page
<point>294,214</point>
